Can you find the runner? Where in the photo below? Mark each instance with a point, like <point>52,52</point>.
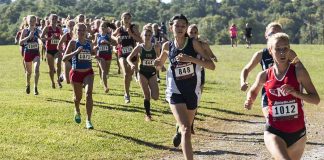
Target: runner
<point>61,47</point>
<point>265,59</point>
<point>233,34</point>
<point>127,36</point>
<point>183,78</point>
<point>285,132</point>
<point>104,40</point>
<point>248,35</point>
<point>22,26</point>
<point>29,39</point>
<point>52,35</point>
<point>80,50</point>
<point>147,52</point>
<point>117,24</point>
<point>43,45</point>
<point>193,33</point>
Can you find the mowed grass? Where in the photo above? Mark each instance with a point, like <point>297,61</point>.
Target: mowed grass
<point>42,127</point>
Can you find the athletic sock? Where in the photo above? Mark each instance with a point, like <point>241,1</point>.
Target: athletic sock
<point>147,106</point>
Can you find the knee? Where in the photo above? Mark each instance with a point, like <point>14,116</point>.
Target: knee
<point>155,96</point>
<point>89,96</point>
<point>77,99</point>
<point>186,131</point>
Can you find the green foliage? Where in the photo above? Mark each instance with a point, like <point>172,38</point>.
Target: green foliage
<point>302,19</point>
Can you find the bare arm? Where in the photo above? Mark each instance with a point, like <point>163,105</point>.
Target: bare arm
<point>23,37</point>
<point>255,60</point>
<point>255,89</point>
<point>60,44</point>
<point>304,79</point>
<point>209,51</point>
<point>69,53</point>
<point>208,63</point>
<point>159,62</point>
<point>135,34</point>
<point>134,53</point>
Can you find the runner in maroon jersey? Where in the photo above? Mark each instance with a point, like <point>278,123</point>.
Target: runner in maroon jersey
<point>63,43</point>
<point>285,133</point>
<point>51,34</point>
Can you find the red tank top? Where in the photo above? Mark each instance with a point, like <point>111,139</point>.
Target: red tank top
<point>68,39</point>
<point>51,45</point>
<point>285,111</point>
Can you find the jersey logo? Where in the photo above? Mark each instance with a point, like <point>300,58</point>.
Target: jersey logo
<point>278,92</point>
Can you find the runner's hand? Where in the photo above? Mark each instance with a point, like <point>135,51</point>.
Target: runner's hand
<point>183,58</point>
<point>244,86</point>
<point>248,104</point>
<point>289,89</point>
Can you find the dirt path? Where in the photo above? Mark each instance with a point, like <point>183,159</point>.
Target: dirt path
<point>242,138</point>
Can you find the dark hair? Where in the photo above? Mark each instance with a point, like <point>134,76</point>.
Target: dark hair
<point>176,17</point>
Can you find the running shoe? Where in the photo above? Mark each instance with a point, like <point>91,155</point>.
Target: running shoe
<point>59,84</point>
<point>35,91</point>
<point>89,125</point>
<point>177,138</point>
<point>158,80</point>
<point>28,89</point>
<point>53,85</point>
<point>77,118</point>
<point>61,78</point>
<point>127,99</point>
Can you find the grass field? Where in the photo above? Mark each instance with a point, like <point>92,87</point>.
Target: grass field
<point>42,127</point>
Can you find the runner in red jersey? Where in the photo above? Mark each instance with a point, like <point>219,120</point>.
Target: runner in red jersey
<point>52,34</point>
<point>285,133</point>
<point>61,47</point>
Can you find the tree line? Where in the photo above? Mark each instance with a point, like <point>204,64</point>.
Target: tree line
<point>302,20</point>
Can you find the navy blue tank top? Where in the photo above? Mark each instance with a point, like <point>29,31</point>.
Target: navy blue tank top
<point>103,48</point>
<point>31,45</point>
<point>82,60</point>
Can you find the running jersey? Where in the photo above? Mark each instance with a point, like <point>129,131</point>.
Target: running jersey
<point>127,42</point>
<point>82,60</point>
<point>233,31</point>
<point>147,58</point>
<point>68,39</point>
<point>104,48</point>
<point>285,111</point>
<point>51,45</point>
<point>266,62</point>
<point>183,77</point>
<point>31,45</point>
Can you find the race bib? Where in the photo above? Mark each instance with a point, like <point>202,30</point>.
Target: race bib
<point>55,41</point>
<point>103,48</point>
<point>184,71</point>
<point>127,49</point>
<point>148,62</point>
<point>32,45</point>
<point>284,110</point>
<point>84,56</point>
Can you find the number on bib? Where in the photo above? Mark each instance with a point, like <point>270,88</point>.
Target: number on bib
<point>32,45</point>
<point>103,48</point>
<point>55,41</point>
<point>84,56</point>
<point>285,110</point>
<point>127,49</point>
<point>184,71</point>
<point>148,62</point>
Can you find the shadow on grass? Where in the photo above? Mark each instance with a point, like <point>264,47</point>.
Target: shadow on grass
<point>220,152</point>
<point>141,142</point>
<point>230,112</point>
<point>119,107</point>
<point>315,143</point>
<point>231,133</point>
<point>228,120</point>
